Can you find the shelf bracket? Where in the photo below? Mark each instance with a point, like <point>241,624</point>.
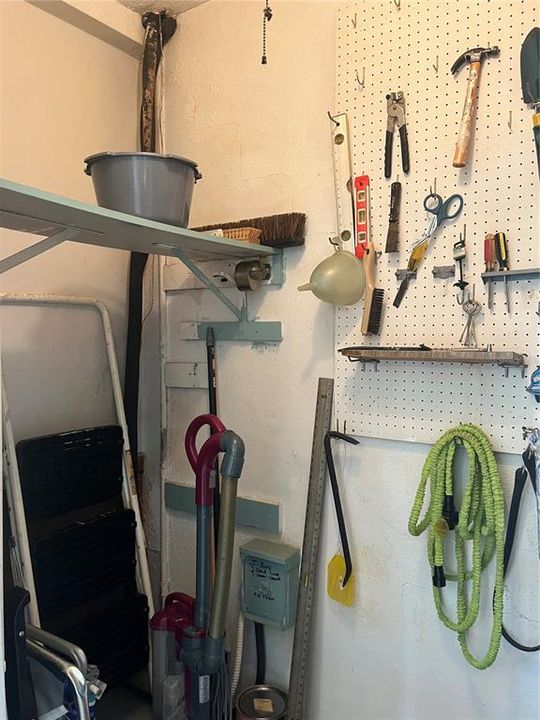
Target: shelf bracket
<point>36,249</point>
<point>242,328</point>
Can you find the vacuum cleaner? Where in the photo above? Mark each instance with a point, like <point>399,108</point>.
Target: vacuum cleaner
<point>192,681</point>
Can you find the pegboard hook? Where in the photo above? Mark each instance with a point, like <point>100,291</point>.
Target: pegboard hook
<point>354,20</point>
<point>436,64</point>
<point>433,188</point>
<point>362,82</point>
<point>333,119</point>
<point>510,120</point>
<point>397,3</point>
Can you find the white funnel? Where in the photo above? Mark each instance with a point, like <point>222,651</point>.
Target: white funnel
<point>339,279</point>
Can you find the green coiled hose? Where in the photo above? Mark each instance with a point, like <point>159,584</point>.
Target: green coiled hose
<point>480,519</point>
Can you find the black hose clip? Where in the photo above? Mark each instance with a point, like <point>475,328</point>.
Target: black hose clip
<point>439,578</point>
<point>449,512</point>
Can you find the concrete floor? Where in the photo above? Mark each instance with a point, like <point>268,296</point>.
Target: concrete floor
<point>120,704</point>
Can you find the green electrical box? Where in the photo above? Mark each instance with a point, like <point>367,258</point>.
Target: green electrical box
<point>269,582</point>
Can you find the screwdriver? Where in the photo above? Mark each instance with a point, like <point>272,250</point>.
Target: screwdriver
<point>489,260</point>
<point>416,257</point>
<point>501,250</point>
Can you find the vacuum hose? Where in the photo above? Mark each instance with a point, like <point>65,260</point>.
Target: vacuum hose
<point>220,597</point>
<point>480,519</point>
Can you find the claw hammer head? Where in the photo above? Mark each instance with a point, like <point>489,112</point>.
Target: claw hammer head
<point>474,55</point>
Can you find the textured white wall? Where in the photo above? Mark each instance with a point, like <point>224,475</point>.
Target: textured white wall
<point>261,138</point>
<point>64,96</point>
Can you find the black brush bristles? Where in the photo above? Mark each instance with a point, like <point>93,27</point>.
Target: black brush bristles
<point>375,312</point>
<point>277,230</point>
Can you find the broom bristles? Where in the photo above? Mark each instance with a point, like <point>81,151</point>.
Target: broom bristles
<point>275,228</point>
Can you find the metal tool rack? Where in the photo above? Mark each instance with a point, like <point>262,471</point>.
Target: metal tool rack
<point>412,47</point>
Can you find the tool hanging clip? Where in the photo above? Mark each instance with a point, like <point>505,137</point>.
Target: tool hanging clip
<point>459,257</point>
<point>395,107</point>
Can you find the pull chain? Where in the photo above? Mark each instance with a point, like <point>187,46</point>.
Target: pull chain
<point>267,16</point>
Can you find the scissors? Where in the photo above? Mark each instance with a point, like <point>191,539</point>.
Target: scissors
<point>442,210</point>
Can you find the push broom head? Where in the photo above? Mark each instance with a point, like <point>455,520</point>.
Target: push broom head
<point>277,230</point>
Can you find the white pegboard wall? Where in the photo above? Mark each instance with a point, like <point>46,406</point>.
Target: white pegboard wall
<point>400,50</point>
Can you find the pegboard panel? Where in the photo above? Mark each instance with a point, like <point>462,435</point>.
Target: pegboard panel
<point>411,49</point>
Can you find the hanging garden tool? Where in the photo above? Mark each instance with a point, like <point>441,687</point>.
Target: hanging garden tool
<point>441,211</point>
<point>529,469</point>
<point>395,109</point>
<point>340,579</point>
<point>459,257</point>
<point>479,519</point>
<point>530,82</point>
<point>474,58</point>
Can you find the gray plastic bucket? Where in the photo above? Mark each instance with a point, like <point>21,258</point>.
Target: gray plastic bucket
<point>152,186</point>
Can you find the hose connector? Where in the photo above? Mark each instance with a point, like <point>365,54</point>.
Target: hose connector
<point>439,578</point>
<point>449,512</point>
<point>233,448</point>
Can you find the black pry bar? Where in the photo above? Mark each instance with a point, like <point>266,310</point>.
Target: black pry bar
<point>337,499</point>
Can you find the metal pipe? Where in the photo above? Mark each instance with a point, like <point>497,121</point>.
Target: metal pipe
<point>233,448</point>
<point>16,510</point>
<point>225,550</point>
<point>202,581</point>
<point>129,491</point>
<point>59,645</point>
<point>68,670</point>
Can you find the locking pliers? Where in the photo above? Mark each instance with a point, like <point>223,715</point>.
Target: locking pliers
<point>395,105</point>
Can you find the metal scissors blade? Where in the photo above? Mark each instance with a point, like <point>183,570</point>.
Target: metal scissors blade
<point>428,232</point>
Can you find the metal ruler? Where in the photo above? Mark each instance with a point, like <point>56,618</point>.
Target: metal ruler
<point>343,177</point>
<point>310,551</point>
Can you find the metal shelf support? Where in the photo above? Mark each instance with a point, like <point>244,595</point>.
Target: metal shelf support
<point>242,329</point>
<point>36,249</point>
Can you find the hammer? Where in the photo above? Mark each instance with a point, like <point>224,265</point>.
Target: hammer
<point>474,59</point>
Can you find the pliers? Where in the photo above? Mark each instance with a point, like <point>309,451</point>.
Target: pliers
<point>395,105</point>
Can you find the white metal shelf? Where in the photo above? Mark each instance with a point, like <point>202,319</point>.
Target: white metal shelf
<point>34,211</point>
<point>58,219</point>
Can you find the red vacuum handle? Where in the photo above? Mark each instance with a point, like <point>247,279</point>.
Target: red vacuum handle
<point>203,461</point>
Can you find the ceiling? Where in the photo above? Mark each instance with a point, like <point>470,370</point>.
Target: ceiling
<point>173,7</point>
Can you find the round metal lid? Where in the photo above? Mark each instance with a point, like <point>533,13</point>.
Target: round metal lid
<point>262,702</point>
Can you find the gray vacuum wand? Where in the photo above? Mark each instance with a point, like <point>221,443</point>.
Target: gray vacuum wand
<point>233,448</point>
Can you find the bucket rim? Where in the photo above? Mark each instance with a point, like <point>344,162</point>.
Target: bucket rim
<point>91,159</point>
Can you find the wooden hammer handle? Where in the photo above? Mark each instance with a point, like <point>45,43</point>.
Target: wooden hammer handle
<point>467,119</point>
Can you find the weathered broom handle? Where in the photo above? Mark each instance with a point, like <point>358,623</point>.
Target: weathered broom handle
<point>467,119</point>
